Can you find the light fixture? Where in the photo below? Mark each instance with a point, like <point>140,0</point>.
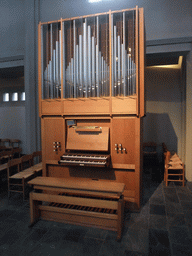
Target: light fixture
<point>94,1</point>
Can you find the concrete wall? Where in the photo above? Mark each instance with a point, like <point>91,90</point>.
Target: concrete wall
<point>188,160</point>
<point>12,29</point>
<point>163,121</point>
<point>163,19</point>
<point>12,114</point>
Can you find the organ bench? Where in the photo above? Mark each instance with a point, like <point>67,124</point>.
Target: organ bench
<point>89,203</point>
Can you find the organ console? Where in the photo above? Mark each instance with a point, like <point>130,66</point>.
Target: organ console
<point>91,98</point>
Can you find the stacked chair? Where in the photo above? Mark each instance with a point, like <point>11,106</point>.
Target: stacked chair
<point>174,168</point>
<point>20,171</point>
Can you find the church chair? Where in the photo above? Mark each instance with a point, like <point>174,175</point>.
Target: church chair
<point>18,182</point>
<point>174,169</point>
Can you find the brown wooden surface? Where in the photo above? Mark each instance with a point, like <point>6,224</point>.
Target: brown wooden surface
<point>39,67</point>
<point>123,132</point>
<point>53,130</point>
<point>98,141</point>
<point>78,184</point>
<point>51,107</point>
<point>124,105</point>
<point>86,106</point>
<point>108,224</point>
<point>142,62</point>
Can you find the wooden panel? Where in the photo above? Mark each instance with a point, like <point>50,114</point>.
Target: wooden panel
<point>138,157</point>
<point>78,184</point>
<point>52,131</point>
<point>141,62</point>
<point>79,212</point>
<point>98,141</point>
<point>128,178</point>
<point>85,220</point>
<point>39,67</point>
<point>75,201</point>
<point>86,106</point>
<point>123,132</point>
<point>124,105</point>
<point>51,107</point>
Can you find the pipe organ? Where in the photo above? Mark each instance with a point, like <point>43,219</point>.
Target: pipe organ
<point>91,98</point>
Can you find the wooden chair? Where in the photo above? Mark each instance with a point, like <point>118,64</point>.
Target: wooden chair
<point>37,164</point>
<point>5,142</point>
<point>174,169</point>
<point>18,181</point>
<point>16,152</point>
<point>164,147</point>
<point>15,143</point>
<point>2,148</point>
<point>5,156</point>
<point>26,161</point>
<point>37,157</point>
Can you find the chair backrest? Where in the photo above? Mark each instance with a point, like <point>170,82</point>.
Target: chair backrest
<point>15,141</point>
<point>26,161</point>
<point>37,157</point>
<point>164,147</point>
<point>16,152</point>
<point>167,156</point>
<point>5,142</point>
<point>6,153</point>
<point>2,147</point>
<point>13,166</point>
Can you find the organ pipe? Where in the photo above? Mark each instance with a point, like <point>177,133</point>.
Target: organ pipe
<point>85,57</point>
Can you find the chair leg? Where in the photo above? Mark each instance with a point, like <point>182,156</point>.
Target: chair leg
<point>23,182</point>
<point>166,177</point>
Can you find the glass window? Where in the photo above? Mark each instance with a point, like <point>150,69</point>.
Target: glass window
<point>15,96</point>
<point>5,97</point>
<point>23,96</point>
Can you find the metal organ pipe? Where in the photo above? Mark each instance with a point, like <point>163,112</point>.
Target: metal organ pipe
<point>87,72</point>
<point>80,65</point>
<point>89,60</point>
<point>85,56</point>
<point>93,66</point>
<point>123,66</point>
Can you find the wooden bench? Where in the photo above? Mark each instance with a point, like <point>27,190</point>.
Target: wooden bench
<point>90,203</point>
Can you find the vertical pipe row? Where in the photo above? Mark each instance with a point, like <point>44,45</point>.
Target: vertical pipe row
<point>85,57</point>
<point>123,65</point>
<point>52,72</point>
<point>87,71</point>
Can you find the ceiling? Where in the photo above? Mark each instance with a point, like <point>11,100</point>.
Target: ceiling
<point>162,59</point>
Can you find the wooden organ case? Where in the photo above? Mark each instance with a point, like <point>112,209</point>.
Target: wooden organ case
<point>91,98</point>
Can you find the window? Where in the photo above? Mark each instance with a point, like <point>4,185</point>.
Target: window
<point>15,96</point>
<point>5,97</point>
<point>23,96</point>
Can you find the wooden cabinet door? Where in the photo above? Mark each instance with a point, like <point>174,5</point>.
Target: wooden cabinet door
<point>123,143</point>
<point>53,139</point>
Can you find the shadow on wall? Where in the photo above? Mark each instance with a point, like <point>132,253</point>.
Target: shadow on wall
<point>158,128</point>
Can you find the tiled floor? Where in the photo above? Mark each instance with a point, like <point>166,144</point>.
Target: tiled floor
<point>162,227</point>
